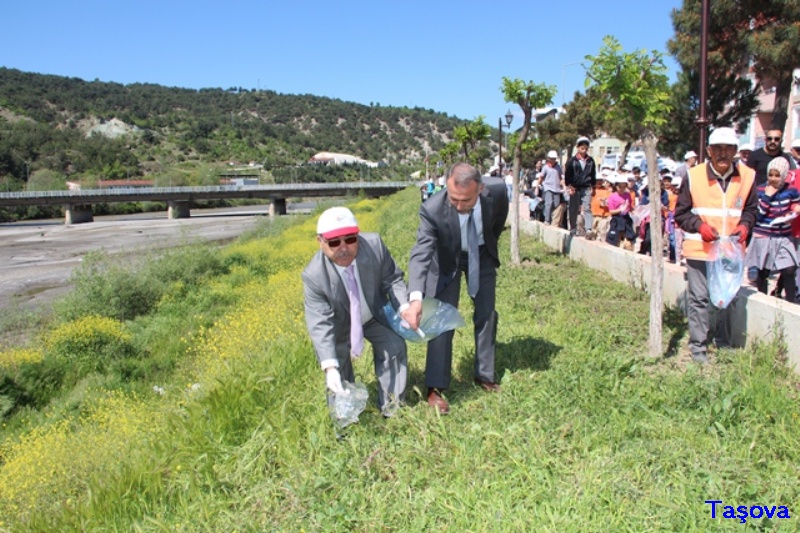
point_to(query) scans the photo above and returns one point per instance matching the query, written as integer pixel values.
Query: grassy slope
(586, 436)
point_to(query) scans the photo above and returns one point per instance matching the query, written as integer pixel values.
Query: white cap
(747, 147)
(605, 174)
(617, 178)
(796, 143)
(689, 154)
(552, 154)
(676, 181)
(335, 222)
(582, 140)
(723, 136)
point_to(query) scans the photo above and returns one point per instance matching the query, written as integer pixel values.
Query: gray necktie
(473, 261)
(356, 329)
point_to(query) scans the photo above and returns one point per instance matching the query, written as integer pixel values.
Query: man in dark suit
(458, 231)
(346, 284)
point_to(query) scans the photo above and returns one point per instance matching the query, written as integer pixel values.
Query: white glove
(334, 380)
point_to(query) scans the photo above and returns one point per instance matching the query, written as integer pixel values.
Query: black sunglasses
(774, 139)
(335, 243)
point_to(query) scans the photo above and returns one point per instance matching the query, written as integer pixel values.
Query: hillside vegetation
(196, 404)
(46, 123)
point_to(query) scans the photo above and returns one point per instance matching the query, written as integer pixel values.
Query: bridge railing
(295, 188)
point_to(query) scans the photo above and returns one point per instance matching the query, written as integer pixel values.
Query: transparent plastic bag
(346, 406)
(725, 271)
(437, 317)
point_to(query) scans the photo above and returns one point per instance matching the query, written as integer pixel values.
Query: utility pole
(702, 120)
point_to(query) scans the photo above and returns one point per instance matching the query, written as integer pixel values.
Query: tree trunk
(527, 113)
(780, 114)
(656, 245)
(623, 156)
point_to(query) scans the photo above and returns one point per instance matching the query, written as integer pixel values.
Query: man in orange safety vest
(718, 199)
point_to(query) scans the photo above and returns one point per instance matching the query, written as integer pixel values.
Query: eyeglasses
(335, 243)
(774, 139)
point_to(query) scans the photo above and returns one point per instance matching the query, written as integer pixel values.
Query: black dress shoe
(436, 401)
(488, 386)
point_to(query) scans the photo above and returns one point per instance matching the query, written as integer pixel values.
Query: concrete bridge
(78, 204)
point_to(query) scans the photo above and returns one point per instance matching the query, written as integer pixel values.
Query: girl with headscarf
(773, 248)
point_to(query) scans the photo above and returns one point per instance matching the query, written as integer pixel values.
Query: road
(38, 257)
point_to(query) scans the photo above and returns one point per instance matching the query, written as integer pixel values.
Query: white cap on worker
(746, 147)
(689, 154)
(552, 154)
(725, 136)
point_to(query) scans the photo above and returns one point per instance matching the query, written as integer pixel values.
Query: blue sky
(448, 56)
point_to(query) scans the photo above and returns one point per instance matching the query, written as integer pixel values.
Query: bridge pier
(78, 214)
(277, 207)
(178, 209)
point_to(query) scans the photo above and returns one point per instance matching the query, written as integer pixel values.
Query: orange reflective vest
(720, 209)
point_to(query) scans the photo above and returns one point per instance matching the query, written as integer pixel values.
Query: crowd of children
(619, 215)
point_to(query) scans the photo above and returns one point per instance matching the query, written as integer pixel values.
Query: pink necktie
(356, 329)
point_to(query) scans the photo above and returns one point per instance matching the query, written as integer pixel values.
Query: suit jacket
(327, 307)
(435, 256)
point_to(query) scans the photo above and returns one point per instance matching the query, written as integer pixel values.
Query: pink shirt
(616, 200)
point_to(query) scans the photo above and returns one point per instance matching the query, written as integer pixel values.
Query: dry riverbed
(37, 258)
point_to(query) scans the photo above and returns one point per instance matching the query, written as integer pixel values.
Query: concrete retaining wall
(756, 315)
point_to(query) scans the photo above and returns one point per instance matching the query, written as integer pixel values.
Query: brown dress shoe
(436, 401)
(488, 386)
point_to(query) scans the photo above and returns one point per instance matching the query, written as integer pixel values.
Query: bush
(91, 338)
(105, 288)
(27, 379)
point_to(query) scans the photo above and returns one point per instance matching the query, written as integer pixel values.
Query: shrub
(91, 338)
(103, 288)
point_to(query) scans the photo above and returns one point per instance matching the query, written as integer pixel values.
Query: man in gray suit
(351, 276)
(458, 231)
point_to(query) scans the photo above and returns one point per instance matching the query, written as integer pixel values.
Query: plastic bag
(640, 214)
(437, 317)
(725, 271)
(346, 406)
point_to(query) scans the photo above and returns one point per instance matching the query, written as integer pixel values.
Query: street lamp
(509, 118)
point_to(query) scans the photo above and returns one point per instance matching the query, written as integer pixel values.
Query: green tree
(583, 116)
(468, 135)
(47, 180)
(449, 152)
(742, 34)
(528, 96)
(637, 86)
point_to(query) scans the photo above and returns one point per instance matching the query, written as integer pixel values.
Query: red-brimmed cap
(335, 222)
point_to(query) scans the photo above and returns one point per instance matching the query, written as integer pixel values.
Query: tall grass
(587, 435)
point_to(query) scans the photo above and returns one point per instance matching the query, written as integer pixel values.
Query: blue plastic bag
(725, 271)
(437, 317)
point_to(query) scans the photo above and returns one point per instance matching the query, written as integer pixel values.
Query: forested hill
(46, 123)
